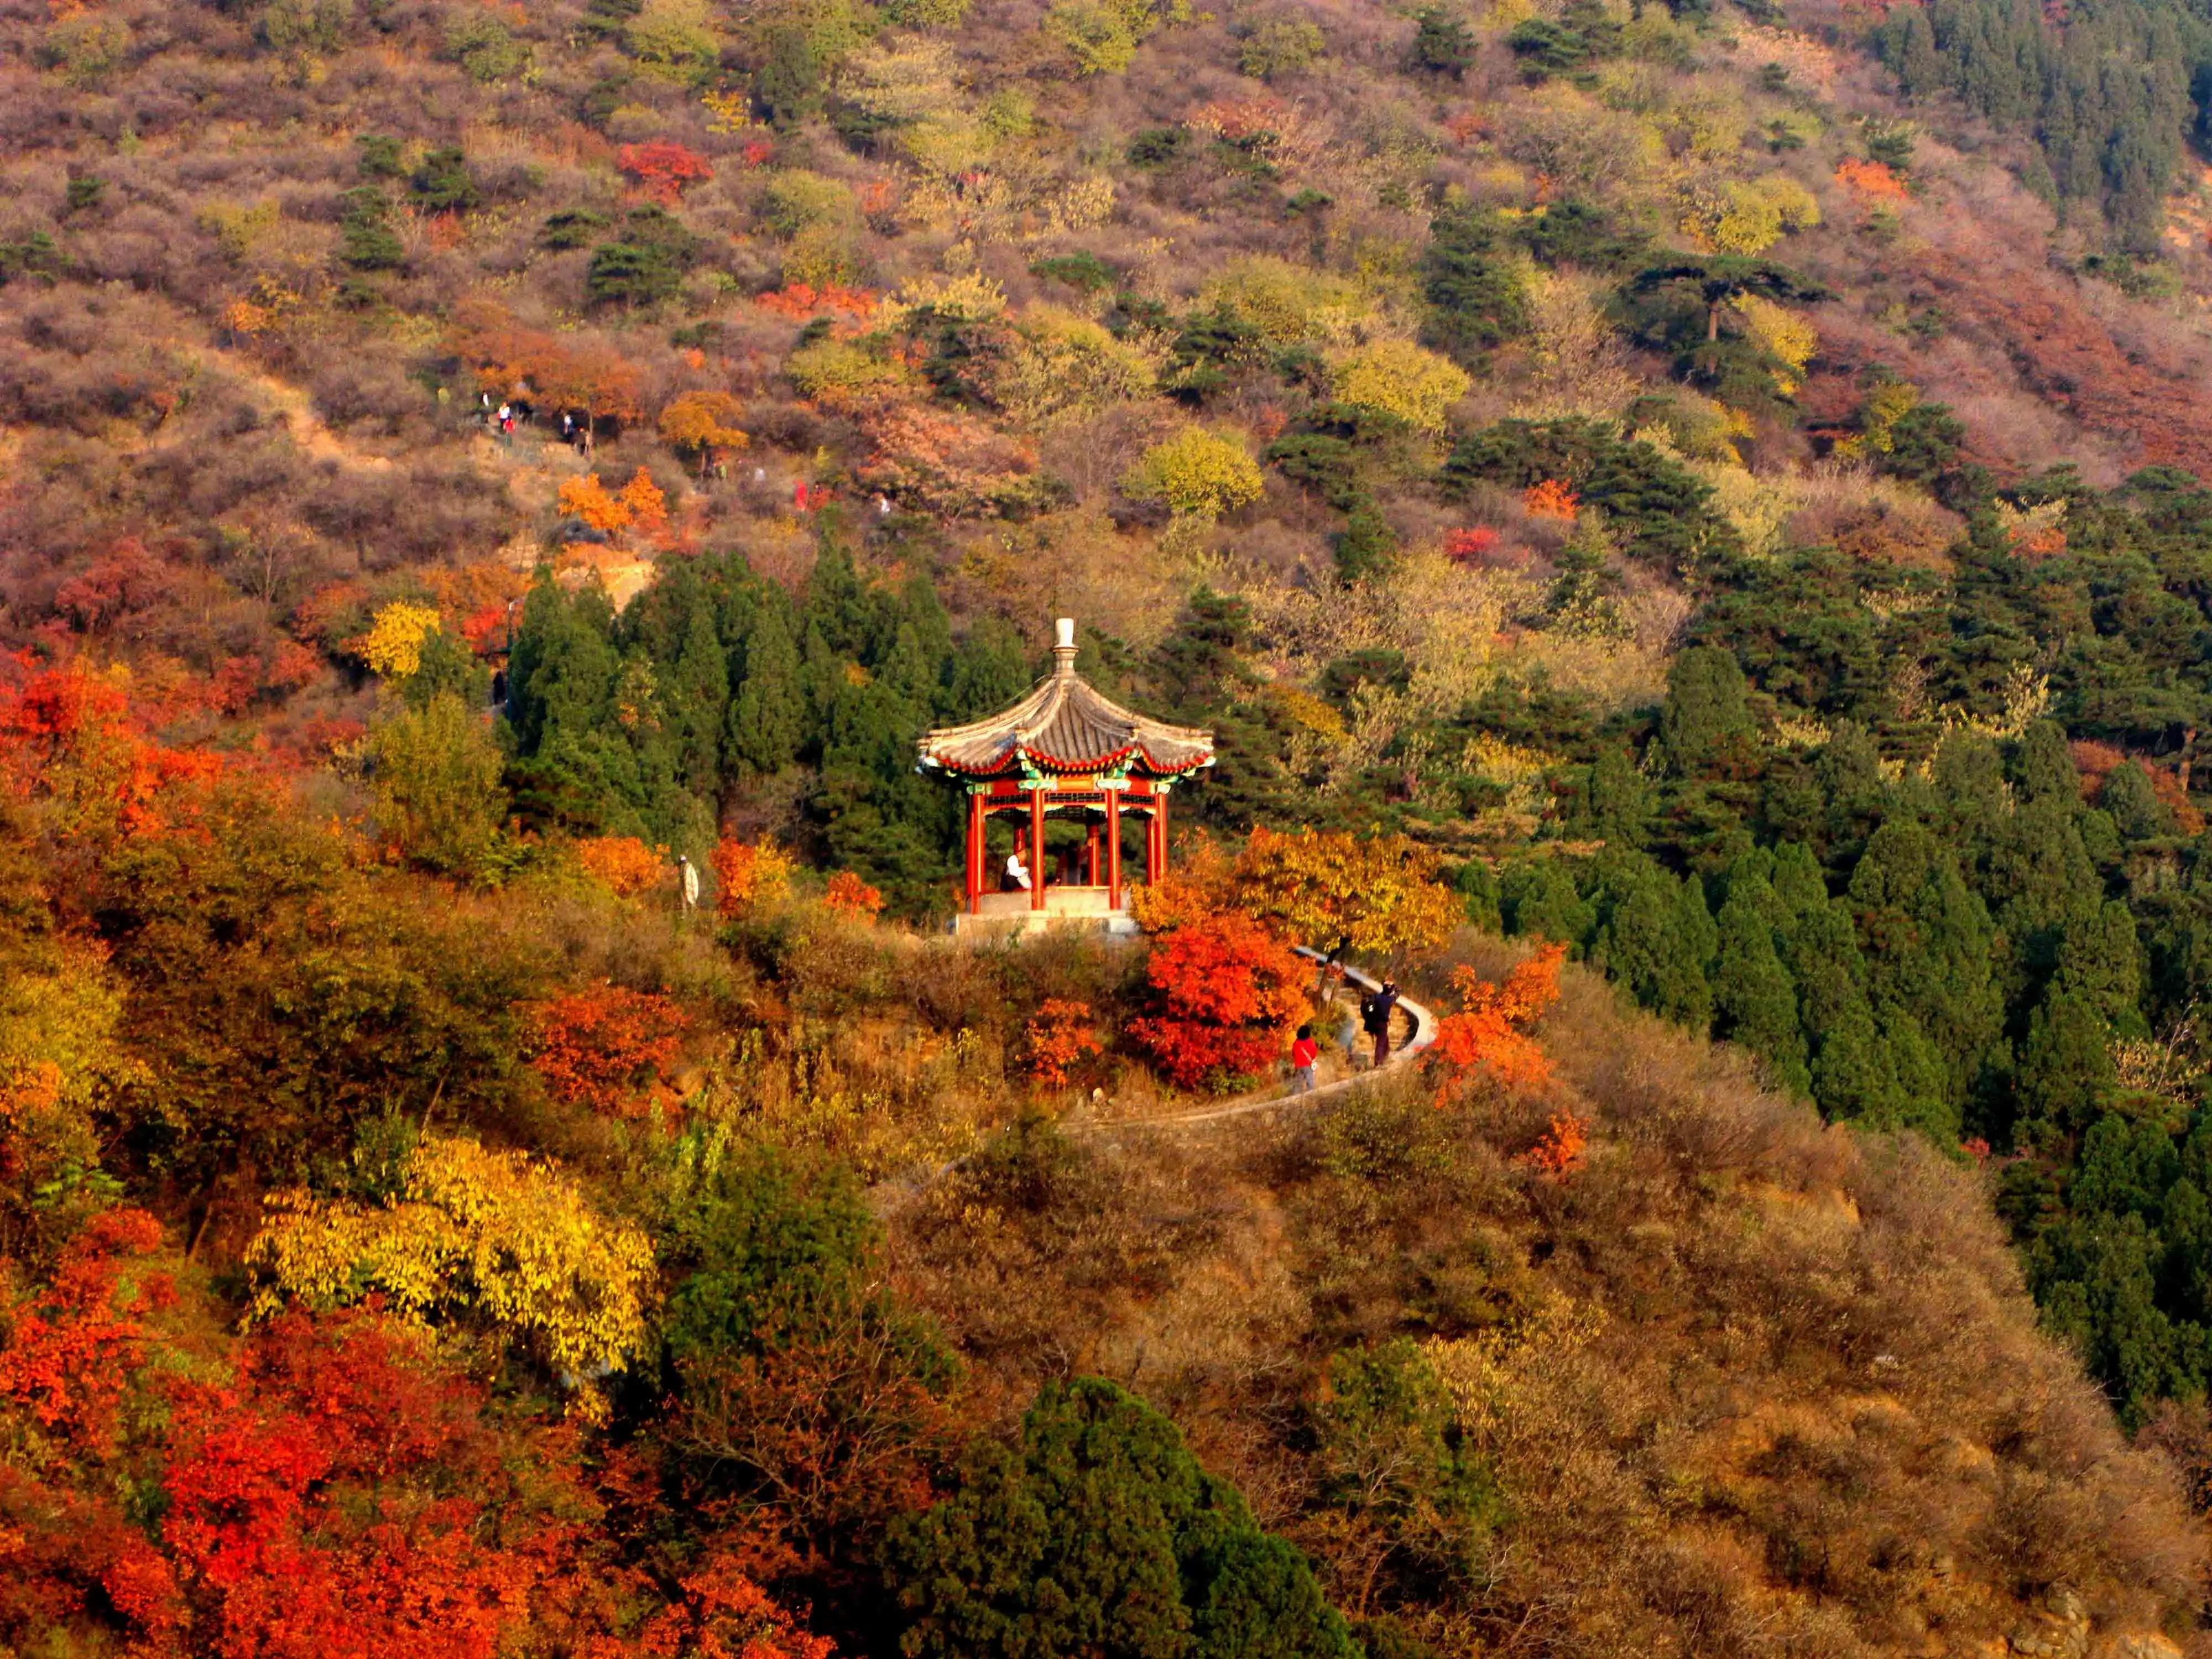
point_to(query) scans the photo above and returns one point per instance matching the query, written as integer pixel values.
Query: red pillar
(975, 854)
(1036, 849)
(1160, 829)
(1113, 849)
(1091, 858)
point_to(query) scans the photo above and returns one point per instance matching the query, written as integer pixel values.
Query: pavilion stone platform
(1082, 909)
(1069, 752)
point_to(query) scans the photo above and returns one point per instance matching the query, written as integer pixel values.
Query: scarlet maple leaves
(334, 1489)
(600, 1048)
(1225, 992)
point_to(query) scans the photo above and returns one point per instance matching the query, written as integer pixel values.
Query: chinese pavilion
(1064, 751)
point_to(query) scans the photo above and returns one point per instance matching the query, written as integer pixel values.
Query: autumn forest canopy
(1687, 523)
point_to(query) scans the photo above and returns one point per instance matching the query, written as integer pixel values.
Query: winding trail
(1276, 1097)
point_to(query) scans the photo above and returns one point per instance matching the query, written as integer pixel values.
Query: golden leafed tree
(1379, 893)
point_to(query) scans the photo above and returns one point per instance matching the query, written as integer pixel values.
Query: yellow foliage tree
(705, 422)
(1199, 474)
(471, 1231)
(587, 499)
(1403, 380)
(393, 645)
(1748, 218)
(1379, 893)
(1783, 335)
(60, 1014)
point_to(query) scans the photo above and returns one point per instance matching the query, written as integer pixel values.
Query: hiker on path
(1375, 1015)
(1304, 1053)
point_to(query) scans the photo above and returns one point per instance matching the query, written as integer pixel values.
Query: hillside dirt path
(1409, 1037)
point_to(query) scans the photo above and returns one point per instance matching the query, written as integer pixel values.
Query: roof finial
(1063, 647)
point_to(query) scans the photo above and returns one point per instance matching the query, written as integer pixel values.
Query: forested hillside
(1712, 495)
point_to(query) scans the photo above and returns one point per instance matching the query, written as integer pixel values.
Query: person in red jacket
(1304, 1053)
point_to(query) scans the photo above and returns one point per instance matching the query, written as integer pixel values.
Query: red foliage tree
(663, 167)
(601, 1049)
(72, 1346)
(1057, 1035)
(1225, 993)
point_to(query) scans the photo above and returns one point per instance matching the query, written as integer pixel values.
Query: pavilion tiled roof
(1067, 725)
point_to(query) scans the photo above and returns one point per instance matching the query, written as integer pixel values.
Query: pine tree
(1705, 724)
(1099, 1534)
(2135, 810)
(2065, 1074)
(1655, 938)
(767, 717)
(1854, 798)
(1969, 793)
(1616, 801)
(1927, 939)
(1798, 881)
(989, 672)
(1541, 902)
(2043, 766)
(694, 693)
(2101, 961)
(1754, 999)
(2039, 873)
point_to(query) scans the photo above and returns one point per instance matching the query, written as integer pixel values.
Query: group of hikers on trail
(1370, 1018)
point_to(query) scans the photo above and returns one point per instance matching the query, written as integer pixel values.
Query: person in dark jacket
(1375, 1017)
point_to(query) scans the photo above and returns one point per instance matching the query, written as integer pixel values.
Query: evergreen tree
(1656, 936)
(2043, 766)
(1754, 999)
(1969, 794)
(1705, 724)
(1926, 940)
(767, 717)
(1616, 801)
(1541, 902)
(1472, 283)
(1100, 1535)
(694, 692)
(2065, 1075)
(989, 672)
(2135, 810)
(2101, 962)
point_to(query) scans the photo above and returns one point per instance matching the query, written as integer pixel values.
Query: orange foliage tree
(804, 300)
(585, 376)
(647, 506)
(69, 738)
(1489, 1036)
(1057, 1035)
(71, 1347)
(1872, 179)
(624, 863)
(1559, 1150)
(587, 499)
(1225, 993)
(600, 1048)
(747, 873)
(1549, 498)
(848, 895)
